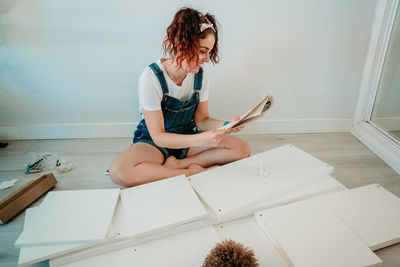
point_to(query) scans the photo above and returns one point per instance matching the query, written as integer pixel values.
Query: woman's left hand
(236, 129)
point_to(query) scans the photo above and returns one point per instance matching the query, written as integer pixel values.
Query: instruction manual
(253, 114)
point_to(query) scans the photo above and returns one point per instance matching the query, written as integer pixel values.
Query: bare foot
(195, 168)
(171, 162)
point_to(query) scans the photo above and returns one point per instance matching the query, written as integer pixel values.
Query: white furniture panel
(32, 254)
(324, 185)
(237, 187)
(70, 217)
(160, 205)
(370, 211)
(315, 238)
(121, 228)
(247, 232)
(182, 250)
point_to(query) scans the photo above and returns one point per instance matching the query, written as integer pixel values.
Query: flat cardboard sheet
(315, 238)
(181, 250)
(237, 187)
(23, 197)
(70, 217)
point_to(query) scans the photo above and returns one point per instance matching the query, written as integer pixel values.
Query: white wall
(70, 68)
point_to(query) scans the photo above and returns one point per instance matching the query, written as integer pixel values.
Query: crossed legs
(143, 163)
(230, 149)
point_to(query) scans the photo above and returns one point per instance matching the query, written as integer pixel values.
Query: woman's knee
(240, 147)
(244, 149)
(124, 168)
(123, 175)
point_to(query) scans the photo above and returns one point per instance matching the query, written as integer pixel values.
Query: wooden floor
(354, 165)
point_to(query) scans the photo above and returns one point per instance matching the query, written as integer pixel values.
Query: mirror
(386, 109)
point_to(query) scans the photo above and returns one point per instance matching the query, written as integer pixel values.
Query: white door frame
(370, 134)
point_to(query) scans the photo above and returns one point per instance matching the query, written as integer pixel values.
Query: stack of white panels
(323, 185)
(238, 187)
(150, 211)
(145, 204)
(161, 216)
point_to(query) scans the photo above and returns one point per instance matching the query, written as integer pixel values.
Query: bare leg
(230, 149)
(142, 163)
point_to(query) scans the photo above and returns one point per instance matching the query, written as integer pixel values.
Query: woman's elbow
(158, 140)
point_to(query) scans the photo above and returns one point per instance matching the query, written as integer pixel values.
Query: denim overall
(178, 115)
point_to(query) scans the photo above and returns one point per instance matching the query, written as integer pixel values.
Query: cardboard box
(23, 197)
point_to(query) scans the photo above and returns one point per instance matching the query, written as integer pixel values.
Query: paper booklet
(260, 109)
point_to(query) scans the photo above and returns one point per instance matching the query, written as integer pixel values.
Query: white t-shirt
(150, 92)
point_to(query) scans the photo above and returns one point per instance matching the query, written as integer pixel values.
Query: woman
(176, 135)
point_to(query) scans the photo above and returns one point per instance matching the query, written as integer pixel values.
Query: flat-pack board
(371, 212)
(325, 184)
(30, 255)
(33, 254)
(181, 250)
(238, 186)
(160, 205)
(315, 238)
(70, 217)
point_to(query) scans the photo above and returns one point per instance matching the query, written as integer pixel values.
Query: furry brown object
(229, 253)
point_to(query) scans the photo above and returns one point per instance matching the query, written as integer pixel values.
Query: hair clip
(205, 26)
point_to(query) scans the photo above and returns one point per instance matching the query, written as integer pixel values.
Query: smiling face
(205, 48)
(192, 40)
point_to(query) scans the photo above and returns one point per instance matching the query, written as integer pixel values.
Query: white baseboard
(112, 130)
(382, 145)
(67, 131)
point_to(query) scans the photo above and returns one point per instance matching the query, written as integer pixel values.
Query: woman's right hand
(211, 137)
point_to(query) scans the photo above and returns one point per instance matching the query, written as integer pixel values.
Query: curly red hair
(183, 35)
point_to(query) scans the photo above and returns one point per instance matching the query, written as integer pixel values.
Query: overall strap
(161, 78)
(198, 79)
